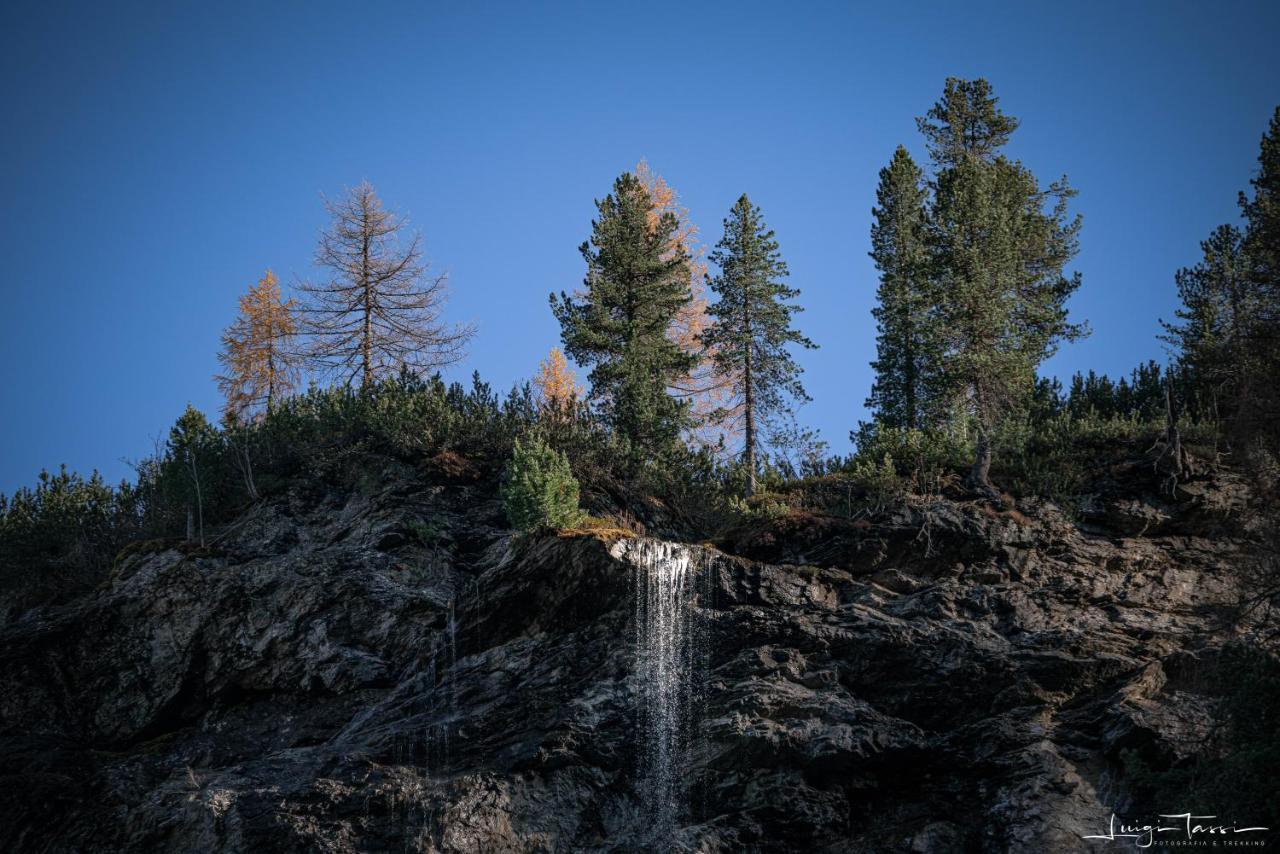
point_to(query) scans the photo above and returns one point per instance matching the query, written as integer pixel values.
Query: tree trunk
(366, 345)
(1173, 439)
(195, 478)
(240, 444)
(912, 374)
(366, 342)
(979, 479)
(748, 401)
(750, 441)
(271, 373)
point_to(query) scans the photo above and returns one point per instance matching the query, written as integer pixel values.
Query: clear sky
(156, 159)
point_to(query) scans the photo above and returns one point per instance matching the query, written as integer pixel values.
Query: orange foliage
(257, 354)
(710, 396)
(555, 384)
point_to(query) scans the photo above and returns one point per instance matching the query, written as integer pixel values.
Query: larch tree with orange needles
(555, 384)
(258, 355)
(713, 413)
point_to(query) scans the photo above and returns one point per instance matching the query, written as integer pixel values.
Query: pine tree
(259, 351)
(1259, 406)
(966, 124)
(999, 244)
(380, 313)
(1147, 383)
(710, 410)
(1210, 336)
(539, 489)
(907, 347)
(751, 325)
(190, 468)
(635, 286)
(1262, 213)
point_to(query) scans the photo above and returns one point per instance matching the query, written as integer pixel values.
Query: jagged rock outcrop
(391, 670)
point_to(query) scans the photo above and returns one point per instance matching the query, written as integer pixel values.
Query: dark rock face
(392, 672)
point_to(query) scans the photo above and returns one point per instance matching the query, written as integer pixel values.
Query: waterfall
(666, 658)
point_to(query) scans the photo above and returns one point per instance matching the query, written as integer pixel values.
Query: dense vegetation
(692, 392)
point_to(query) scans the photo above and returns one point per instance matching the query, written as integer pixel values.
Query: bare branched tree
(381, 309)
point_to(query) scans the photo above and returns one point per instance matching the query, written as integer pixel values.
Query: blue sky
(156, 159)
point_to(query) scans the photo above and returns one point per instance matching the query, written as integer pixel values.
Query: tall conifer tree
(637, 282)
(907, 351)
(1262, 213)
(751, 325)
(710, 417)
(1259, 399)
(1210, 335)
(1000, 243)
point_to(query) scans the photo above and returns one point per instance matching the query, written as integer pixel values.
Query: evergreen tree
(999, 244)
(1262, 213)
(1226, 335)
(1210, 336)
(190, 468)
(1046, 400)
(1141, 393)
(539, 489)
(751, 325)
(637, 282)
(1259, 398)
(1147, 384)
(966, 124)
(710, 412)
(907, 356)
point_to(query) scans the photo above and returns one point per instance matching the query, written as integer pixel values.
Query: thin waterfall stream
(667, 659)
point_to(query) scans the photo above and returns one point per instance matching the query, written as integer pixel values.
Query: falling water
(451, 686)
(665, 659)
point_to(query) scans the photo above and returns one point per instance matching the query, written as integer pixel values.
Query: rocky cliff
(390, 670)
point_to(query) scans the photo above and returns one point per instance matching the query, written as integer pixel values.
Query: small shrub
(923, 457)
(426, 532)
(539, 489)
(1056, 458)
(761, 506)
(882, 483)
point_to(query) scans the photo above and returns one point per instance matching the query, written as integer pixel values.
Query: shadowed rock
(941, 678)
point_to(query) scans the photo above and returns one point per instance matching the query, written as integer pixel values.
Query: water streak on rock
(665, 658)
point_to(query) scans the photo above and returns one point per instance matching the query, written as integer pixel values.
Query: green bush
(1057, 457)
(427, 532)
(60, 537)
(882, 483)
(762, 505)
(922, 457)
(539, 489)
